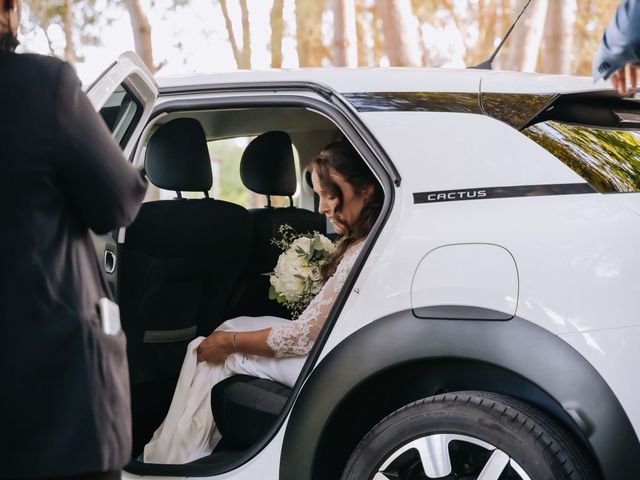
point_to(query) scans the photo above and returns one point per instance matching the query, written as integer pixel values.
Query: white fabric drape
(188, 431)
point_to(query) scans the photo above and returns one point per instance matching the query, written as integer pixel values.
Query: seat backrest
(181, 258)
(267, 167)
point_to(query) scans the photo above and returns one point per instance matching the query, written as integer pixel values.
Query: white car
(490, 327)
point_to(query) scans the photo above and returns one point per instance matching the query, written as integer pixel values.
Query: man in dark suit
(64, 391)
(618, 56)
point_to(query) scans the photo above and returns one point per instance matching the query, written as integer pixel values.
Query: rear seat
(178, 265)
(245, 407)
(267, 167)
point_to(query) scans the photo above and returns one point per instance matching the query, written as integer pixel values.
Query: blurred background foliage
(554, 36)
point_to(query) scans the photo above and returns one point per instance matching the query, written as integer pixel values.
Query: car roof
(394, 79)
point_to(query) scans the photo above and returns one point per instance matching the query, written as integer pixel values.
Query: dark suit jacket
(621, 41)
(64, 392)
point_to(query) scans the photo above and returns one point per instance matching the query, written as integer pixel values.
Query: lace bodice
(298, 336)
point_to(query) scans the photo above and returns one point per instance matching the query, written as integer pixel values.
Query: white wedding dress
(188, 431)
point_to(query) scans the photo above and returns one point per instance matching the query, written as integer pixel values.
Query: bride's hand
(216, 347)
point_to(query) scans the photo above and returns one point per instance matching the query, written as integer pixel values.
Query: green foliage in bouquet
(297, 276)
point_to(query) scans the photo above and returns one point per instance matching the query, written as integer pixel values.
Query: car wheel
(468, 435)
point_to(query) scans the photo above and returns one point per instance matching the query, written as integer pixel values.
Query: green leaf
(299, 277)
(273, 295)
(317, 243)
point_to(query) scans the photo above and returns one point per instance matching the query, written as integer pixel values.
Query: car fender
(400, 358)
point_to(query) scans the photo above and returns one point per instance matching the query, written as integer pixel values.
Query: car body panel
(397, 79)
(450, 355)
(608, 350)
(432, 153)
(564, 261)
(475, 275)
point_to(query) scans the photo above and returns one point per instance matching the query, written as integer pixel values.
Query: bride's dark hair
(340, 157)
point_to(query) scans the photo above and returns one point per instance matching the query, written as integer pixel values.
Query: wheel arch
(401, 358)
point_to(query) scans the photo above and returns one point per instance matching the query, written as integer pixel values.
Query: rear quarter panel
(576, 255)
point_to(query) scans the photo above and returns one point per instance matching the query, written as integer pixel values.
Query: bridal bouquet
(297, 278)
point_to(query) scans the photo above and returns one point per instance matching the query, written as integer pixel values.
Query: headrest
(177, 157)
(267, 165)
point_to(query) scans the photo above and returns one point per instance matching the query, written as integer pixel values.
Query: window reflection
(414, 102)
(515, 109)
(609, 160)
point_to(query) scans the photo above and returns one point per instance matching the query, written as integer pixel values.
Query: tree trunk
(558, 37)
(506, 17)
(400, 28)
(378, 38)
(242, 57)
(363, 33)
(345, 43)
(527, 36)
(311, 50)
(67, 22)
(246, 37)
(141, 29)
(487, 23)
(277, 31)
(591, 19)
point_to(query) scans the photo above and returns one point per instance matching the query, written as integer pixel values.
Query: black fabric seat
(267, 167)
(178, 265)
(244, 408)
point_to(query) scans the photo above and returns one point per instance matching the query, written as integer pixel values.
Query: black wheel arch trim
(544, 369)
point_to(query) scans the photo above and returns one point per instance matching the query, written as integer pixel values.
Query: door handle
(109, 261)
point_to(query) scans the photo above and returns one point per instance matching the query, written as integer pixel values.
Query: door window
(121, 113)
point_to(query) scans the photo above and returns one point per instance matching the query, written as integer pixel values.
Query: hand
(216, 347)
(619, 78)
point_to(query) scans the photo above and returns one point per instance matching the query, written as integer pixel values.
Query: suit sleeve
(103, 188)
(620, 43)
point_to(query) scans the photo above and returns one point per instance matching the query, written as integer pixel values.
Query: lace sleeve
(297, 337)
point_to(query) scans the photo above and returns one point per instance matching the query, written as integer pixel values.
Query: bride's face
(348, 210)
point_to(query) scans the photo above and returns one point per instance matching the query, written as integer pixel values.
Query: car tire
(458, 435)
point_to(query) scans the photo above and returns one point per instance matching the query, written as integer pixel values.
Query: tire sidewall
(494, 426)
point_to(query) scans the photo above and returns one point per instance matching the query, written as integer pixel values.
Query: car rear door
(124, 95)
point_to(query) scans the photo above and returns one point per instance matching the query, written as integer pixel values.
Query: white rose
(303, 243)
(276, 282)
(327, 244)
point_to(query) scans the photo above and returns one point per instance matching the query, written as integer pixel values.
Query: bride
(270, 347)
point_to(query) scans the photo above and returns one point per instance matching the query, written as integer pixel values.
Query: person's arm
(289, 339)
(217, 346)
(103, 189)
(285, 340)
(619, 52)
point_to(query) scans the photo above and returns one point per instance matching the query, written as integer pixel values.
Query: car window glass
(609, 160)
(226, 155)
(225, 158)
(121, 113)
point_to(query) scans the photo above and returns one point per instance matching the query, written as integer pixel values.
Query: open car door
(124, 95)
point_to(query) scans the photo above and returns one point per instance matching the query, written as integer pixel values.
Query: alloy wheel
(449, 457)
